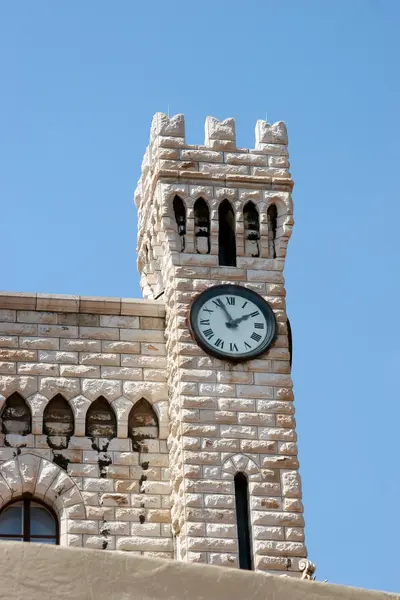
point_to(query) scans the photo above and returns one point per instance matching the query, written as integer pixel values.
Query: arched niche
(251, 230)
(101, 420)
(202, 226)
(16, 417)
(142, 425)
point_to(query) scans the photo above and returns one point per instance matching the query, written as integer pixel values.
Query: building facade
(136, 425)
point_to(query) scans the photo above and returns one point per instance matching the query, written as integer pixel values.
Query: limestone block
(12, 476)
(271, 134)
(8, 368)
(213, 544)
(93, 388)
(26, 386)
(217, 416)
(236, 404)
(279, 519)
(51, 386)
(279, 462)
(17, 329)
(295, 534)
(272, 563)
(276, 433)
(250, 418)
(275, 406)
(98, 333)
(121, 373)
(121, 347)
(144, 544)
(55, 356)
(83, 526)
(258, 446)
(287, 448)
(151, 390)
(128, 322)
(91, 484)
(47, 473)
(222, 559)
(18, 355)
(219, 130)
(292, 505)
(33, 316)
(291, 484)
(8, 315)
(261, 532)
(80, 345)
(8, 341)
(38, 369)
(167, 126)
(219, 500)
(79, 405)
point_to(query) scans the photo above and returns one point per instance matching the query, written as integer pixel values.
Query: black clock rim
(207, 294)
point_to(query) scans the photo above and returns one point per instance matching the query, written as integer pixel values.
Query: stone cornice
(82, 304)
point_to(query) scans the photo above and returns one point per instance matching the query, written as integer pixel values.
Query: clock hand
(222, 305)
(235, 322)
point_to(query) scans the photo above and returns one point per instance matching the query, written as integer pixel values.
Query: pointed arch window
(226, 235)
(142, 425)
(16, 416)
(100, 420)
(242, 520)
(28, 520)
(202, 226)
(180, 217)
(58, 418)
(251, 230)
(272, 219)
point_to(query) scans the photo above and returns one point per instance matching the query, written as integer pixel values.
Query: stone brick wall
(106, 494)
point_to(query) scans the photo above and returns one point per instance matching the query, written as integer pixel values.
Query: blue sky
(80, 83)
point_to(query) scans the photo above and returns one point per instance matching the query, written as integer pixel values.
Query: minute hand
(222, 305)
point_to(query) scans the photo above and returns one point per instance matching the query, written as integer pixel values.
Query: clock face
(232, 322)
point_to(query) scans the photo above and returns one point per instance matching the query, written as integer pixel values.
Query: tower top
(168, 154)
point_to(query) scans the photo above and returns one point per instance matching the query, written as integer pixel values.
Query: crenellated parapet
(214, 172)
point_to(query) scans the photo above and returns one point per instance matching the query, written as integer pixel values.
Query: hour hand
(235, 322)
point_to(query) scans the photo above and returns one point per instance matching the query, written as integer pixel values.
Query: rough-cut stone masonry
(186, 423)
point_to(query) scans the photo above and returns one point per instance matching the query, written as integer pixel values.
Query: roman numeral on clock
(208, 310)
(218, 302)
(246, 345)
(258, 325)
(244, 304)
(233, 347)
(230, 300)
(255, 337)
(219, 343)
(204, 321)
(208, 333)
(255, 313)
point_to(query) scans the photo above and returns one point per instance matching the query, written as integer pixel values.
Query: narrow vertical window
(290, 341)
(251, 230)
(272, 217)
(226, 236)
(180, 216)
(202, 226)
(242, 519)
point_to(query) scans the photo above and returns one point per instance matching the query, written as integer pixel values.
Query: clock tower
(214, 222)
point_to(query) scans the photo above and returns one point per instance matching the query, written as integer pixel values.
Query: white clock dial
(232, 322)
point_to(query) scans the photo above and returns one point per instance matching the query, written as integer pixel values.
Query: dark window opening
(272, 218)
(202, 226)
(242, 519)
(16, 416)
(180, 216)
(58, 418)
(226, 235)
(251, 230)
(290, 341)
(142, 425)
(100, 420)
(29, 521)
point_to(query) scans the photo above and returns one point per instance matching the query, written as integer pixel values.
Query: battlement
(168, 155)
